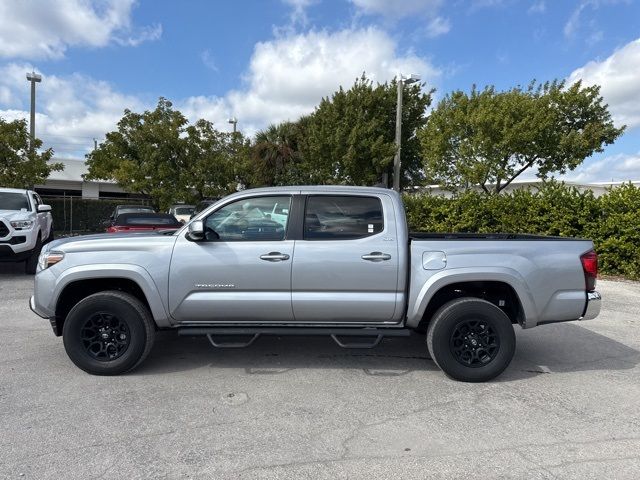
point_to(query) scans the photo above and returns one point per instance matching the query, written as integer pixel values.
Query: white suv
(25, 225)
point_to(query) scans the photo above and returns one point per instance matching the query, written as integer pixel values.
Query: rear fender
(446, 277)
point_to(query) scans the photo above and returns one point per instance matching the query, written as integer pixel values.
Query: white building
(598, 188)
(69, 182)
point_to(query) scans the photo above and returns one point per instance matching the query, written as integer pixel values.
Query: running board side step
(374, 335)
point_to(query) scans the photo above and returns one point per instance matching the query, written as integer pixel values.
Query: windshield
(141, 219)
(184, 210)
(134, 210)
(14, 201)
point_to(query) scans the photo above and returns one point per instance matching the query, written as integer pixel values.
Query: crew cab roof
(313, 189)
(14, 190)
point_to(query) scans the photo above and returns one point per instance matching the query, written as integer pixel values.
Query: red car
(144, 222)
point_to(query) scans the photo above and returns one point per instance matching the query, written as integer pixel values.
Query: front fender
(446, 277)
(135, 273)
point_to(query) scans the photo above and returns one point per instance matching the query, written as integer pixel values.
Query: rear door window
(342, 217)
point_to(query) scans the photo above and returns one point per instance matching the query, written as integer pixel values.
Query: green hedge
(612, 221)
(87, 215)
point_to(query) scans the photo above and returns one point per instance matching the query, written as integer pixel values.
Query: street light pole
(34, 78)
(396, 158)
(234, 120)
(402, 81)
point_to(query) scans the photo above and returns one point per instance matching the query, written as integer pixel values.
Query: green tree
(157, 153)
(20, 166)
(489, 138)
(349, 138)
(214, 161)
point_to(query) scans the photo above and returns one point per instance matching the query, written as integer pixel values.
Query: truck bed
(485, 236)
(545, 272)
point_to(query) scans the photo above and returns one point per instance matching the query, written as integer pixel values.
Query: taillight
(590, 267)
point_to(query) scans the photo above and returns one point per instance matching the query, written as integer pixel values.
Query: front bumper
(52, 320)
(594, 303)
(32, 306)
(17, 245)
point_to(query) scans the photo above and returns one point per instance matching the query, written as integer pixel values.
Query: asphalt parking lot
(567, 407)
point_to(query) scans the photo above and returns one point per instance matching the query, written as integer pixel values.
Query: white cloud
(71, 110)
(299, 10)
(140, 35)
(397, 10)
(288, 76)
(619, 77)
(208, 60)
(30, 29)
(438, 26)
(577, 23)
(617, 168)
(537, 7)
(573, 23)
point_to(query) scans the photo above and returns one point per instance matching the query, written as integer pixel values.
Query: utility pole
(34, 78)
(402, 81)
(95, 144)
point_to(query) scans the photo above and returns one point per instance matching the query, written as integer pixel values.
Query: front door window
(250, 219)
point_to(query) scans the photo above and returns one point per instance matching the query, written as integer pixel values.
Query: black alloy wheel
(474, 343)
(108, 333)
(105, 336)
(471, 339)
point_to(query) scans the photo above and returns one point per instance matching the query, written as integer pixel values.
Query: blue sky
(267, 61)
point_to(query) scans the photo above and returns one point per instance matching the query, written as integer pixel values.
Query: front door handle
(376, 256)
(274, 257)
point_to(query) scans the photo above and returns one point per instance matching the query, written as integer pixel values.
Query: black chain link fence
(76, 215)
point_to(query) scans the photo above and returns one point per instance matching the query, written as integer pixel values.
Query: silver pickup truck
(335, 261)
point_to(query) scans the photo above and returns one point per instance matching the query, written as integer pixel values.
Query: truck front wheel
(108, 333)
(471, 340)
(31, 264)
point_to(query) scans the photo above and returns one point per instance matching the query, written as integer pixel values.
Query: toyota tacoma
(331, 260)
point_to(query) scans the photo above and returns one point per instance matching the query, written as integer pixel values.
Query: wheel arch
(493, 286)
(76, 285)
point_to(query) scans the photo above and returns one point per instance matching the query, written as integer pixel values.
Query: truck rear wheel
(471, 340)
(108, 333)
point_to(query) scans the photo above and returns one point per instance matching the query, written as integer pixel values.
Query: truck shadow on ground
(546, 350)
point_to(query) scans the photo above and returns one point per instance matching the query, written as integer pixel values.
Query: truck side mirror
(44, 208)
(195, 231)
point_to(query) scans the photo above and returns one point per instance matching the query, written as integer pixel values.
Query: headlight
(20, 224)
(47, 259)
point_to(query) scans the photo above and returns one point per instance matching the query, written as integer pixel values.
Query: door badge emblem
(215, 285)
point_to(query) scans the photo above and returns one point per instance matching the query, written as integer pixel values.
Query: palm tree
(275, 153)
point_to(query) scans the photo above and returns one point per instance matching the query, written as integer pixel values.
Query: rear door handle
(274, 257)
(376, 256)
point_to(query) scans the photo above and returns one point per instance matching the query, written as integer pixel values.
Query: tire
(116, 313)
(31, 263)
(471, 340)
